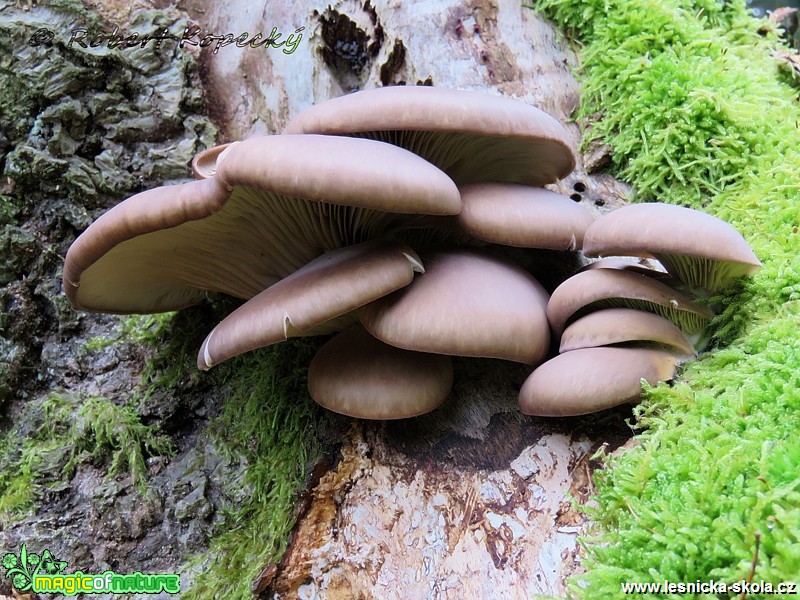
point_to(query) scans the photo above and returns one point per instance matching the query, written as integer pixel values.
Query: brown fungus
(309, 301)
(264, 214)
(471, 136)
(611, 288)
(356, 375)
(467, 303)
(592, 379)
(522, 216)
(625, 326)
(697, 248)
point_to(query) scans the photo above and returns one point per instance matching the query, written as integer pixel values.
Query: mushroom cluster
(381, 215)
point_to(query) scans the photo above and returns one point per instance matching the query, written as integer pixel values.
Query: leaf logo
(23, 568)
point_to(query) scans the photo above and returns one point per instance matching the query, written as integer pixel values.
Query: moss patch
(74, 431)
(691, 100)
(269, 420)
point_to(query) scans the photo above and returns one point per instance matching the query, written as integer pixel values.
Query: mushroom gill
(263, 215)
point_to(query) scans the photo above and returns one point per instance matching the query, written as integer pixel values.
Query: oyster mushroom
(611, 288)
(522, 216)
(471, 136)
(308, 301)
(697, 248)
(204, 164)
(263, 215)
(624, 326)
(467, 303)
(592, 379)
(356, 375)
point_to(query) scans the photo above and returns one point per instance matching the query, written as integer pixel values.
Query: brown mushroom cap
(624, 325)
(592, 379)
(274, 204)
(333, 285)
(522, 216)
(467, 303)
(356, 375)
(611, 288)
(472, 136)
(697, 248)
(204, 164)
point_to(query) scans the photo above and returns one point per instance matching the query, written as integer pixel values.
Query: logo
(44, 574)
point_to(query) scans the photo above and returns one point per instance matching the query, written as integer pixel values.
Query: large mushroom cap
(471, 136)
(611, 288)
(699, 249)
(328, 287)
(356, 375)
(522, 216)
(624, 325)
(274, 204)
(466, 304)
(592, 379)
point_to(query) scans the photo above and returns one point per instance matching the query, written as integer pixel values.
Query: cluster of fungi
(382, 215)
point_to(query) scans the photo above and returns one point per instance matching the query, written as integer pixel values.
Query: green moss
(691, 100)
(268, 420)
(74, 431)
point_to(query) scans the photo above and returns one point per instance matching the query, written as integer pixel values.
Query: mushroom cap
(472, 136)
(328, 287)
(204, 164)
(274, 204)
(611, 288)
(467, 303)
(699, 249)
(522, 216)
(356, 375)
(592, 379)
(624, 325)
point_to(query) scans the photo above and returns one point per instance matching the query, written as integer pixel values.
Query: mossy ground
(697, 112)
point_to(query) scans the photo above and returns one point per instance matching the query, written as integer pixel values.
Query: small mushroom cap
(466, 304)
(472, 136)
(204, 164)
(274, 204)
(624, 325)
(611, 288)
(522, 216)
(356, 375)
(592, 379)
(333, 285)
(699, 249)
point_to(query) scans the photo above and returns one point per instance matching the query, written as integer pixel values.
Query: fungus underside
(696, 112)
